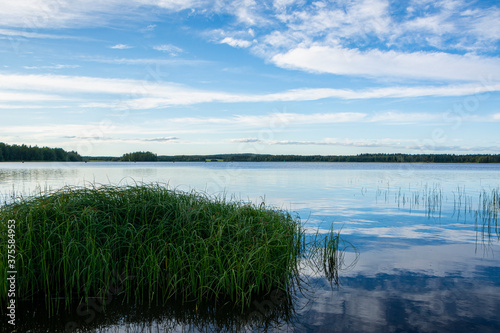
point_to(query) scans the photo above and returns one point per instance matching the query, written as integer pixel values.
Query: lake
(421, 244)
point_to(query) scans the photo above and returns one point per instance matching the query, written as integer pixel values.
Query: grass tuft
(164, 244)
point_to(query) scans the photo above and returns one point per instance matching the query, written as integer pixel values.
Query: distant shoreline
(361, 158)
(24, 153)
(200, 162)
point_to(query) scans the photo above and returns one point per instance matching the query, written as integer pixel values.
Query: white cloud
(432, 148)
(364, 143)
(283, 119)
(28, 106)
(169, 48)
(24, 97)
(319, 37)
(139, 94)
(147, 61)
(345, 142)
(276, 120)
(396, 143)
(40, 14)
(93, 131)
(444, 24)
(282, 4)
(405, 118)
(486, 24)
(337, 20)
(121, 47)
(245, 140)
(236, 42)
(246, 12)
(59, 66)
(68, 84)
(172, 5)
(28, 34)
(375, 63)
(162, 139)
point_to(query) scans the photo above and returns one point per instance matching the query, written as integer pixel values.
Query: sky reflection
(428, 254)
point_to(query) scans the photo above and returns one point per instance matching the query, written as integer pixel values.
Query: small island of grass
(164, 244)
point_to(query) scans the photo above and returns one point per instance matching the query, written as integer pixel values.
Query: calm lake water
(422, 247)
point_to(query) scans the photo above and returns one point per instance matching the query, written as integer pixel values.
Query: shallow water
(424, 253)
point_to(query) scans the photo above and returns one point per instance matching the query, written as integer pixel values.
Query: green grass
(165, 244)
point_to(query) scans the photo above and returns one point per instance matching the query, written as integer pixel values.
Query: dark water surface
(421, 241)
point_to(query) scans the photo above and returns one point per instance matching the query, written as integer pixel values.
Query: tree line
(28, 153)
(380, 158)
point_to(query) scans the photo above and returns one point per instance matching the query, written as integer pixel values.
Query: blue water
(421, 253)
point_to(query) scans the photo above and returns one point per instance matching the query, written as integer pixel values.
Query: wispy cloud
(30, 34)
(284, 119)
(245, 140)
(83, 136)
(392, 143)
(121, 47)
(405, 117)
(40, 14)
(187, 96)
(246, 12)
(17, 106)
(59, 66)
(146, 61)
(139, 94)
(25, 97)
(91, 131)
(168, 48)
(150, 27)
(423, 148)
(300, 118)
(162, 139)
(364, 143)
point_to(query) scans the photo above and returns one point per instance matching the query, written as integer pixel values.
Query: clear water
(424, 253)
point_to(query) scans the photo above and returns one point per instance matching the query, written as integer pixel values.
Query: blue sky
(280, 77)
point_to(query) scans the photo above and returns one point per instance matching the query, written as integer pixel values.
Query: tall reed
(487, 214)
(326, 255)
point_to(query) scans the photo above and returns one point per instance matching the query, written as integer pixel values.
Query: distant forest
(386, 158)
(27, 153)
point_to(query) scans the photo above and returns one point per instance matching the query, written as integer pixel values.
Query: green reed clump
(164, 244)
